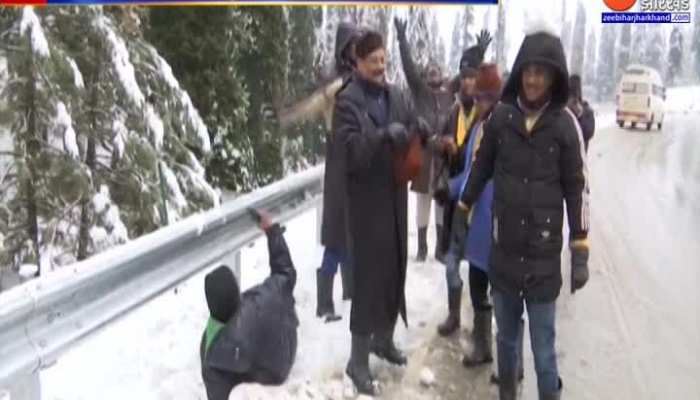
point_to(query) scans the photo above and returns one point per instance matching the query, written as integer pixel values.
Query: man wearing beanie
(375, 125)
(432, 100)
(250, 337)
(533, 150)
(455, 136)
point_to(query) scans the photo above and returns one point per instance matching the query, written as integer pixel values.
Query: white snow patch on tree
(536, 22)
(201, 185)
(191, 112)
(64, 121)
(155, 127)
(77, 76)
(101, 200)
(30, 22)
(195, 165)
(173, 187)
(120, 134)
(121, 62)
(28, 270)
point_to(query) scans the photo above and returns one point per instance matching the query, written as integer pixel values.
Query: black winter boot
(521, 368)
(454, 301)
(439, 254)
(482, 338)
(346, 278)
(358, 366)
(422, 244)
(324, 297)
(383, 347)
(552, 396)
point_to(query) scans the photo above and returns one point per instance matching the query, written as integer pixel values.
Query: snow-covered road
(632, 333)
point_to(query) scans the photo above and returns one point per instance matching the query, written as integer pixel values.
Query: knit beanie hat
(222, 292)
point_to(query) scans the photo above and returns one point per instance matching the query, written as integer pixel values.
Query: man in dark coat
(455, 135)
(432, 101)
(533, 149)
(333, 225)
(581, 109)
(371, 120)
(250, 337)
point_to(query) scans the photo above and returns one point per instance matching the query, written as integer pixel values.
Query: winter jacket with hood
(533, 174)
(334, 226)
(258, 344)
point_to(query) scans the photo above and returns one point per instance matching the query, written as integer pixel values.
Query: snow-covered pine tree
(655, 54)
(42, 208)
(97, 118)
(264, 66)
(605, 75)
(579, 38)
(625, 50)
(501, 43)
(589, 70)
(305, 140)
(675, 56)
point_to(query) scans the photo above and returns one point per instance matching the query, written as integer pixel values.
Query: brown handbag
(408, 163)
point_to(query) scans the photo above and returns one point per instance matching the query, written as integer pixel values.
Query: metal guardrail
(45, 317)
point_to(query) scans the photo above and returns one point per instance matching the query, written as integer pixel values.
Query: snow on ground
(631, 333)
(153, 352)
(683, 99)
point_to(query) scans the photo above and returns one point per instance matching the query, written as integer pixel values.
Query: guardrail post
(233, 261)
(25, 387)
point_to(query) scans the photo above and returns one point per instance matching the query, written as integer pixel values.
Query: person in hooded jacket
(333, 224)
(250, 337)
(533, 149)
(432, 100)
(455, 135)
(581, 109)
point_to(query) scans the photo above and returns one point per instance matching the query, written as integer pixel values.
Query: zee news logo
(650, 5)
(650, 11)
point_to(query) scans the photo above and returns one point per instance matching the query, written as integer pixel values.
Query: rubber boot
(358, 366)
(552, 396)
(454, 302)
(482, 337)
(383, 347)
(324, 297)
(439, 254)
(521, 368)
(346, 278)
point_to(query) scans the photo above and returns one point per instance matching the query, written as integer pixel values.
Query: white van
(640, 97)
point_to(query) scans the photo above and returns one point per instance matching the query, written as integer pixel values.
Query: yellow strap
(463, 124)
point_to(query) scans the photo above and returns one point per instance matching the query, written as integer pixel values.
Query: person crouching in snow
(250, 337)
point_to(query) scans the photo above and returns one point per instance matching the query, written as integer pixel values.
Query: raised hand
(400, 27)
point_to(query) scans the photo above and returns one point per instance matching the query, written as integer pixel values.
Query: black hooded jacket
(533, 173)
(258, 344)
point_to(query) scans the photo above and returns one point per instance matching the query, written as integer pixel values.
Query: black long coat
(533, 175)
(377, 209)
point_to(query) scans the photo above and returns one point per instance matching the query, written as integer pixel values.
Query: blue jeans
(452, 260)
(541, 316)
(331, 259)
